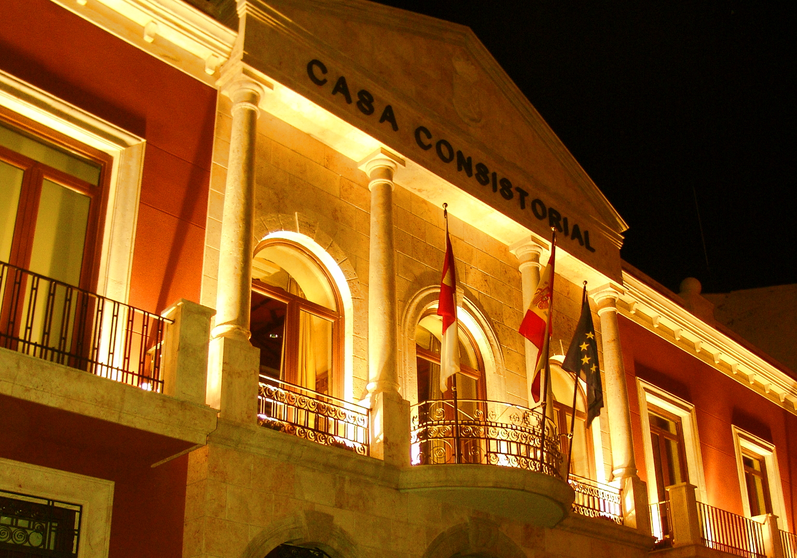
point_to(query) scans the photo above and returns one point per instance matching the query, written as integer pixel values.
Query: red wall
(719, 402)
(62, 54)
(59, 52)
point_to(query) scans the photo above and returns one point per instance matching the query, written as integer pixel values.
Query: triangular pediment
(430, 91)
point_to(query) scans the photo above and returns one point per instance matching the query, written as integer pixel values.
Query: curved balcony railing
(53, 321)
(595, 499)
(484, 432)
(313, 416)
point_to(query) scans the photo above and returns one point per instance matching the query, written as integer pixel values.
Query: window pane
(673, 462)
(268, 333)
(10, 186)
(296, 273)
(60, 233)
(55, 158)
(315, 352)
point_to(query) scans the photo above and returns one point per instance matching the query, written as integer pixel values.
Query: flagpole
(575, 394)
(547, 346)
(457, 450)
(456, 419)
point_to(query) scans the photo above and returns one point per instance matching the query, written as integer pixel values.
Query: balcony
(471, 431)
(313, 416)
(53, 321)
(682, 525)
(68, 355)
(507, 456)
(595, 499)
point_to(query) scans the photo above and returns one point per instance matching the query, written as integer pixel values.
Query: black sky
(680, 112)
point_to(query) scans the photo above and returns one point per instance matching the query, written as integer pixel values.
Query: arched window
(581, 462)
(296, 318)
(470, 381)
(291, 551)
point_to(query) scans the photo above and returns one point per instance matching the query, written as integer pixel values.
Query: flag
(447, 309)
(536, 325)
(582, 358)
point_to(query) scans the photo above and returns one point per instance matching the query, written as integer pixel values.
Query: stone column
(234, 363)
(635, 502)
(390, 425)
(233, 296)
(382, 343)
(528, 252)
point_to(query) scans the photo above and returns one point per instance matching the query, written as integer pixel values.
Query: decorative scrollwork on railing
(312, 416)
(31, 525)
(486, 432)
(594, 499)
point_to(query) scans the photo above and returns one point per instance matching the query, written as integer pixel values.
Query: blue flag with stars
(582, 358)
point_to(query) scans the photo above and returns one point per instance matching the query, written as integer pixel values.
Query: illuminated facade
(222, 241)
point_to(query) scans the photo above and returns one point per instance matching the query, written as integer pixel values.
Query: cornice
(171, 30)
(650, 309)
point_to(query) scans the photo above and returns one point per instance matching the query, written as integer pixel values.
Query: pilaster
(185, 354)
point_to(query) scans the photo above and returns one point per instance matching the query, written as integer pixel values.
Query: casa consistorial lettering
(426, 140)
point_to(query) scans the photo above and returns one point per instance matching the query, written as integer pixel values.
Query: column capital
(528, 251)
(242, 85)
(381, 166)
(606, 297)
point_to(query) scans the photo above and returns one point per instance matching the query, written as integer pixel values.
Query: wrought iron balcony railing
(595, 499)
(53, 321)
(789, 543)
(313, 416)
(484, 432)
(728, 532)
(32, 526)
(661, 523)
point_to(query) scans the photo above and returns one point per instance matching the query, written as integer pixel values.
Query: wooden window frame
(430, 356)
(663, 436)
(36, 172)
(295, 305)
(747, 444)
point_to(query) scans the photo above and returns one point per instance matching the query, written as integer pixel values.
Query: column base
(233, 377)
(390, 428)
(636, 513)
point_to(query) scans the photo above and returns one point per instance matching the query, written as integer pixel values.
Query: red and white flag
(536, 325)
(447, 309)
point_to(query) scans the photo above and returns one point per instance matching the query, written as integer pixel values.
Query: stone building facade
(256, 302)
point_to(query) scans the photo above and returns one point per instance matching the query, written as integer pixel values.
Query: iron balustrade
(661, 523)
(729, 532)
(31, 526)
(595, 499)
(789, 543)
(57, 322)
(313, 416)
(484, 432)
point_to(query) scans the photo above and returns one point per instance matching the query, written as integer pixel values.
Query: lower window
(32, 526)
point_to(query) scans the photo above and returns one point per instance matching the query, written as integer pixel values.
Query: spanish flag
(447, 309)
(536, 325)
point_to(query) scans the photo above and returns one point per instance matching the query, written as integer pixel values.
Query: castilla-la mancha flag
(536, 325)
(447, 309)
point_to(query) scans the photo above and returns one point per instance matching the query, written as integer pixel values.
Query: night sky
(679, 111)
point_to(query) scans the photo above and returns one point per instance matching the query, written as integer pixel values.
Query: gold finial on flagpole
(445, 211)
